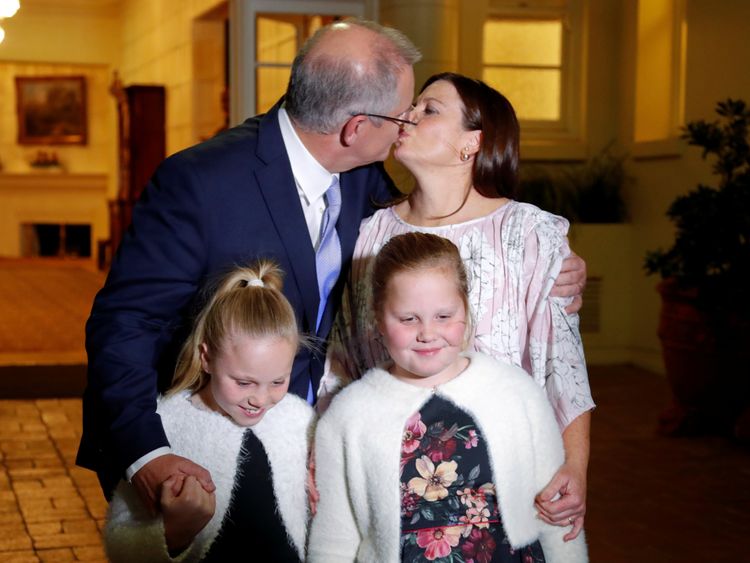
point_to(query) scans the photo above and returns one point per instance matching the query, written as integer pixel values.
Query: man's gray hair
(325, 91)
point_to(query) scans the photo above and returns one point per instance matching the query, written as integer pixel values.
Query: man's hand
(149, 479)
(186, 508)
(571, 282)
(568, 489)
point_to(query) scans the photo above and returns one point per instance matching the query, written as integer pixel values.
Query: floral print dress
(449, 510)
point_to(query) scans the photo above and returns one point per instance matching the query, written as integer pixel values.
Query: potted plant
(589, 192)
(705, 318)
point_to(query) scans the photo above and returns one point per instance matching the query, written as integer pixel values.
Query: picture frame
(51, 110)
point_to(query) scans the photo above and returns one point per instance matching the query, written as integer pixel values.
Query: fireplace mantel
(51, 196)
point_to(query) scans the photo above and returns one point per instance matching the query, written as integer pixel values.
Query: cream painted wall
(49, 40)
(157, 48)
(718, 55)
(433, 27)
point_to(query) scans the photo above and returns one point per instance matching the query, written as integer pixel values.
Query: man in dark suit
(253, 191)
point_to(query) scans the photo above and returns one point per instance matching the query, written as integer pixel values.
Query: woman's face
(439, 136)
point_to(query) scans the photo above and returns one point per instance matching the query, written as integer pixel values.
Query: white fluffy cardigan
(214, 441)
(358, 448)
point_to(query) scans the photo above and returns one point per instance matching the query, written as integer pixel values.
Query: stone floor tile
(53, 514)
(26, 556)
(8, 504)
(58, 482)
(15, 542)
(68, 502)
(91, 553)
(11, 464)
(53, 418)
(53, 555)
(97, 508)
(33, 427)
(84, 526)
(11, 518)
(67, 540)
(45, 528)
(12, 530)
(37, 472)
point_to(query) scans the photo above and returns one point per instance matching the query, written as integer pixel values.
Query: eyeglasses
(395, 120)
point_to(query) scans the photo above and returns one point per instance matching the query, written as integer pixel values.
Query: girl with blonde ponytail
(228, 410)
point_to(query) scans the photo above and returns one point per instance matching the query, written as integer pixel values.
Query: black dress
(449, 510)
(252, 529)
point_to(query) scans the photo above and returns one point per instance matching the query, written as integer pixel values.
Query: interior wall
(717, 57)
(157, 48)
(70, 42)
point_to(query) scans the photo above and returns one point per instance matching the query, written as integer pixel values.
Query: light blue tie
(328, 256)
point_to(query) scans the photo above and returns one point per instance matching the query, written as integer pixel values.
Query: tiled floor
(50, 510)
(651, 499)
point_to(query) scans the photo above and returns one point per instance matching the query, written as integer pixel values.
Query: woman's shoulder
(549, 231)
(534, 216)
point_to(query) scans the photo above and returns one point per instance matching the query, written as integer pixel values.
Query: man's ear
(352, 129)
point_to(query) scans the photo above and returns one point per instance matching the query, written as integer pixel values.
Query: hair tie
(256, 282)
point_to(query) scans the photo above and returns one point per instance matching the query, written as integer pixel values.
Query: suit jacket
(224, 202)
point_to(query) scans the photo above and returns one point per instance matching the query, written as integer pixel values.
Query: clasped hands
(184, 494)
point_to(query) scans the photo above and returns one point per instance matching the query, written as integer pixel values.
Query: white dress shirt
(311, 178)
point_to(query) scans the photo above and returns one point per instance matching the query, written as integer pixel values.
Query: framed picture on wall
(51, 110)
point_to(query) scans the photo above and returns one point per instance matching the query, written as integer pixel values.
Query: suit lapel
(279, 191)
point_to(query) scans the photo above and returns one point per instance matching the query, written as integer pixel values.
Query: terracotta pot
(707, 363)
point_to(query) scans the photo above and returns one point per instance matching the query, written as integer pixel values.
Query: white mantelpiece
(51, 197)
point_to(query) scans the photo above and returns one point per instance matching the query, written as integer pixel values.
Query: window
(523, 58)
(278, 37)
(265, 36)
(659, 82)
(533, 52)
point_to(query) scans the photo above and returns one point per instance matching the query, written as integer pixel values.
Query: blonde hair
(248, 301)
(413, 252)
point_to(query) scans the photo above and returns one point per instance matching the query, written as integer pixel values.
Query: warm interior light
(8, 8)
(2, 34)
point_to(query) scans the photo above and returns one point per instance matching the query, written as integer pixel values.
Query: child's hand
(312, 491)
(186, 508)
(149, 479)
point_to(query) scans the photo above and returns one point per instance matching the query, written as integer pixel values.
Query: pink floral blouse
(512, 256)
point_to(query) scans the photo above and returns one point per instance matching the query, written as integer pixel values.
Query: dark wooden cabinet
(141, 115)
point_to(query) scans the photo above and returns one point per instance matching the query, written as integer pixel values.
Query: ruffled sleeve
(554, 351)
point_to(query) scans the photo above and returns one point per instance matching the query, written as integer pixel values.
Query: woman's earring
(465, 155)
